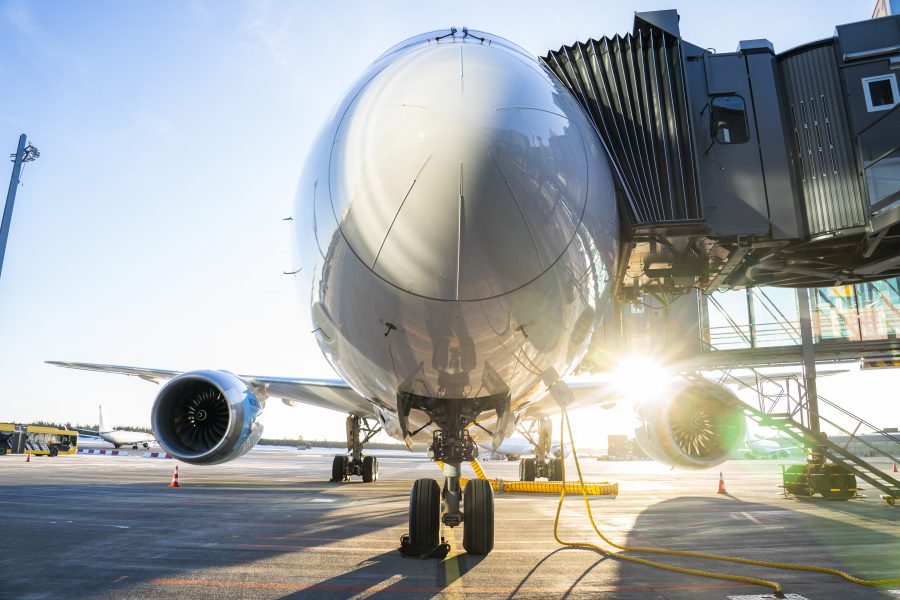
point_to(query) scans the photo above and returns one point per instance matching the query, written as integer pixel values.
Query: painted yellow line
(453, 590)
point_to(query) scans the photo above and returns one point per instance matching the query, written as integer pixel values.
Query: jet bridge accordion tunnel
(750, 167)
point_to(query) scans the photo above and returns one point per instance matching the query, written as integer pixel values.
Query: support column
(751, 317)
(809, 362)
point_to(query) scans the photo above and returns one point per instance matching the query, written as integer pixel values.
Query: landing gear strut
(359, 431)
(472, 507)
(543, 464)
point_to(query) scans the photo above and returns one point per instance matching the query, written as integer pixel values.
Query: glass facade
(767, 317)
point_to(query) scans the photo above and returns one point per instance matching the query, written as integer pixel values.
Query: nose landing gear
(472, 507)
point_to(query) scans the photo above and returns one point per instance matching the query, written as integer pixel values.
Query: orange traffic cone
(175, 478)
(28, 457)
(721, 489)
(895, 468)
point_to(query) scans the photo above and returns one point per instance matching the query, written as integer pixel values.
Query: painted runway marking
(451, 566)
(751, 518)
(378, 587)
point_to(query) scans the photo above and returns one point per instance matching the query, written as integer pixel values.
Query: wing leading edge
(333, 394)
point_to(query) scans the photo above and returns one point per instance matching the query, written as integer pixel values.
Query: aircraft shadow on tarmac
(777, 532)
(172, 538)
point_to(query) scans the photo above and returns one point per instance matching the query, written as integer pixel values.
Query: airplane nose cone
(460, 169)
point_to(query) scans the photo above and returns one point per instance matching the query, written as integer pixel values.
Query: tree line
(264, 441)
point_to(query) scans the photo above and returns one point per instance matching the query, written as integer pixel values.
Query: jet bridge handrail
(794, 333)
(766, 334)
(860, 420)
(853, 436)
(728, 318)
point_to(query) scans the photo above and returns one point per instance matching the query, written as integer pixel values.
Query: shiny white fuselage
(456, 226)
(127, 438)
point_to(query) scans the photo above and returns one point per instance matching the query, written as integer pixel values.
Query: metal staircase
(787, 412)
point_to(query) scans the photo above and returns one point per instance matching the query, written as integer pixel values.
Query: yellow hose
(772, 584)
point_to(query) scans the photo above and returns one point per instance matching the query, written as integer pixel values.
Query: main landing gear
(544, 464)
(472, 507)
(356, 464)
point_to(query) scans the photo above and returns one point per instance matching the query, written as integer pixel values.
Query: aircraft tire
(478, 525)
(796, 480)
(526, 469)
(370, 469)
(838, 483)
(338, 469)
(556, 473)
(425, 514)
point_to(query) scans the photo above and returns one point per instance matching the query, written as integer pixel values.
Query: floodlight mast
(24, 153)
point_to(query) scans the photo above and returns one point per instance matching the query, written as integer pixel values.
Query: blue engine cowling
(207, 417)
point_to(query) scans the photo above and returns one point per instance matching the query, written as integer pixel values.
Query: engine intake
(207, 417)
(697, 427)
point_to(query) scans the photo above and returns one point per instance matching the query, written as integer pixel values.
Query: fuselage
(126, 438)
(456, 226)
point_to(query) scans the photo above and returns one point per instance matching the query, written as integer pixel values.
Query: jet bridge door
(730, 166)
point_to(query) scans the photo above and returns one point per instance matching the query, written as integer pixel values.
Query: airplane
(515, 447)
(123, 437)
(457, 233)
(769, 447)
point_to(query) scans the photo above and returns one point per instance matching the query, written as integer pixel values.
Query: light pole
(24, 153)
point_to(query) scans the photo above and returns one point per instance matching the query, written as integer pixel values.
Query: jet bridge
(750, 167)
(772, 342)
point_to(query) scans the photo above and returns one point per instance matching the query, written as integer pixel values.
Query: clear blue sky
(172, 135)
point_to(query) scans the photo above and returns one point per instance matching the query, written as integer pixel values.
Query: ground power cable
(564, 420)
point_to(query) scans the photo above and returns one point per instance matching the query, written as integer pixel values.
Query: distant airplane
(756, 446)
(514, 448)
(123, 437)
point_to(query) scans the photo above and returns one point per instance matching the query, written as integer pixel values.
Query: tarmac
(269, 525)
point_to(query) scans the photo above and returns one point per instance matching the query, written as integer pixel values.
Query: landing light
(640, 380)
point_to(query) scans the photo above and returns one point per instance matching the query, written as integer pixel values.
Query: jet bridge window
(729, 120)
(881, 92)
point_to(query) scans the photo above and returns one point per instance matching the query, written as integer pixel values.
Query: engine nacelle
(207, 417)
(696, 427)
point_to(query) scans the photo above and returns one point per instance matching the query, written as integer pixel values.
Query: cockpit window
(729, 120)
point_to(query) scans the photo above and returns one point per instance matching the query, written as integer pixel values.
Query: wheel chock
(408, 550)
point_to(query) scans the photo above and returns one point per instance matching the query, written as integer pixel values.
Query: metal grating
(633, 87)
(822, 148)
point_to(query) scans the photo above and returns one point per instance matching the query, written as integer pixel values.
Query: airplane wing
(333, 394)
(594, 391)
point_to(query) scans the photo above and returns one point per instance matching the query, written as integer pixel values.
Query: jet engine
(207, 417)
(696, 426)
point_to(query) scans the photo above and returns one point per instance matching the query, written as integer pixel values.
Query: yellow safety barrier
(724, 576)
